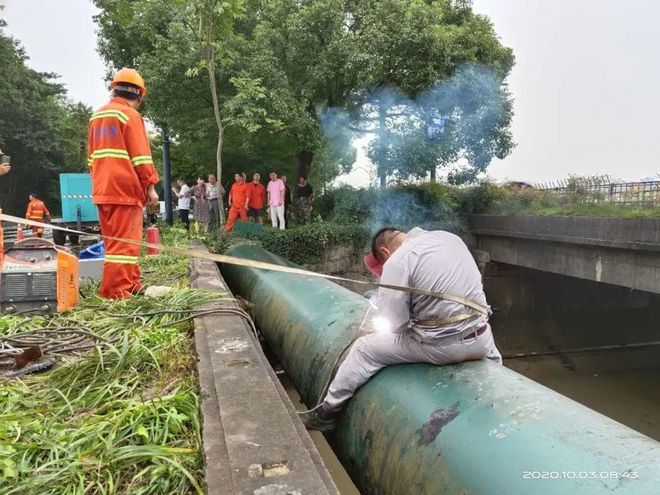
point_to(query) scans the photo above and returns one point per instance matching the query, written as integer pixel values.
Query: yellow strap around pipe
(231, 260)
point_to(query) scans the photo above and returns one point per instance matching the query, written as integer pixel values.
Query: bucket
(94, 251)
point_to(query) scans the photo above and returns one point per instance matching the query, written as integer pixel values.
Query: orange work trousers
(234, 213)
(121, 273)
(37, 231)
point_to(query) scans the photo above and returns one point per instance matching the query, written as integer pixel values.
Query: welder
(412, 327)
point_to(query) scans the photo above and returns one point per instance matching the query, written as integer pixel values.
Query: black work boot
(319, 420)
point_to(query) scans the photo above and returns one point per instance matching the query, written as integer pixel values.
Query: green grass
(547, 203)
(123, 419)
(599, 210)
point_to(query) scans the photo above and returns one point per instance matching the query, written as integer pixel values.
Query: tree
(174, 44)
(365, 57)
(296, 48)
(417, 47)
(473, 113)
(44, 133)
(281, 66)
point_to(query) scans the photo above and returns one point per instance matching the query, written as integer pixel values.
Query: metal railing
(604, 190)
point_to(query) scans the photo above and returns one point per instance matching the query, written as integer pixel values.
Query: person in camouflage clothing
(304, 196)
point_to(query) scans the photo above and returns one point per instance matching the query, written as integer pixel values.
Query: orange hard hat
(126, 75)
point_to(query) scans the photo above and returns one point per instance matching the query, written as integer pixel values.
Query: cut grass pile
(123, 419)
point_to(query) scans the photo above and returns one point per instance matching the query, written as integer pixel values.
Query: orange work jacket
(119, 156)
(239, 194)
(36, 210)
(257, 195)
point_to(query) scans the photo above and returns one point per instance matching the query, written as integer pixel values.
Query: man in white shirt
(183, 194)
(414, 328)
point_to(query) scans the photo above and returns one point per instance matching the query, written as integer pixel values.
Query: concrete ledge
(254, 442)
(617, 251)
(640, 234)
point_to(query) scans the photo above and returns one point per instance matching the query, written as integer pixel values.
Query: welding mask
(373, 265)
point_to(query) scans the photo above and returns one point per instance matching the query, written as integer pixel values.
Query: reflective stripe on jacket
(36, 210)
(119, 155)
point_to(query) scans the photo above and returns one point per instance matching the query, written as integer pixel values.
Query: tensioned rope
(232, 260)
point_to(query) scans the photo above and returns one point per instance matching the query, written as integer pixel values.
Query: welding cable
(56, 340)
(196, 314)
(340, 359)
(53, 341)
(232, 260)
(225, 310)
(67, 340)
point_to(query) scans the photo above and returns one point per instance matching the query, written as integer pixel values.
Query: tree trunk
(210, 65)
(305, 158)
(433, 175)
(383, 136)
(383, 179)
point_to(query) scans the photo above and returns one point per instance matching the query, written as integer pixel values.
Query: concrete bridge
(618, 251)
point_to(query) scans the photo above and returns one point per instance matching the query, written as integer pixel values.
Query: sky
(586, 82)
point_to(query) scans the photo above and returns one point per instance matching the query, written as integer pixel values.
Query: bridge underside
(615, 251)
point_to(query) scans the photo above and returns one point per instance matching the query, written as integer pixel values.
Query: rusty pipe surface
(474, 428)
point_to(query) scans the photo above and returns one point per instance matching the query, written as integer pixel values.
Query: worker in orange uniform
(123, 179)
(257, 200)
(36, 211)
(239, 197)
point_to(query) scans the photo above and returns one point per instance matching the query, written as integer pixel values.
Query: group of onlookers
(206, 199)
(246, 201)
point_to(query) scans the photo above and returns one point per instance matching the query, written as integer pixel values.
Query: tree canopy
(280, 71)
(43, 132)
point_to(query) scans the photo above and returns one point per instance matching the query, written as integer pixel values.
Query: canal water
(598, 345)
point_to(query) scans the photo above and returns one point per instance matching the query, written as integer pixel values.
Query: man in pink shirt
(276, 200)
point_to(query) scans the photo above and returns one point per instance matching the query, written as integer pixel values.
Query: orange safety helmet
(129, 76)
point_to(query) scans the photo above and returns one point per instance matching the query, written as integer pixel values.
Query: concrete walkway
(254, 442)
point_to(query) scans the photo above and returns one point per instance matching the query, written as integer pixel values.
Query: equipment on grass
(78, 210)
(248, 228)
(37, 277)
(153, 237)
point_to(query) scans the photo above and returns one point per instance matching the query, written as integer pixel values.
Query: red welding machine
(36, 276)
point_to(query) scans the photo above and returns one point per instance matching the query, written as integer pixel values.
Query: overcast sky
(586, 82)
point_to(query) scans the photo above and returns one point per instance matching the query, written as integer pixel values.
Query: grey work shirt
(215, 190)
(437, 261)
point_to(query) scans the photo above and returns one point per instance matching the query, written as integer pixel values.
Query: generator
(36, 276)
(78, 210)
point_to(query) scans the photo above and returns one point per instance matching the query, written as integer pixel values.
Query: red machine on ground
(37, 276)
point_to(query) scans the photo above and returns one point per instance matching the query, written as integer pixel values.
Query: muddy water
(547, 313)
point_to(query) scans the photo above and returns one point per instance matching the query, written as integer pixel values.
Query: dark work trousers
(217, 215)
(183, 215)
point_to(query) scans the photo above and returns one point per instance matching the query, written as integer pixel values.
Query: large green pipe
(474, 428)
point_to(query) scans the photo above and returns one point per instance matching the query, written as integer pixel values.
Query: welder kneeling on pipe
(414, 328)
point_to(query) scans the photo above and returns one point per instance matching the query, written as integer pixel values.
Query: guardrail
(603, 190)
